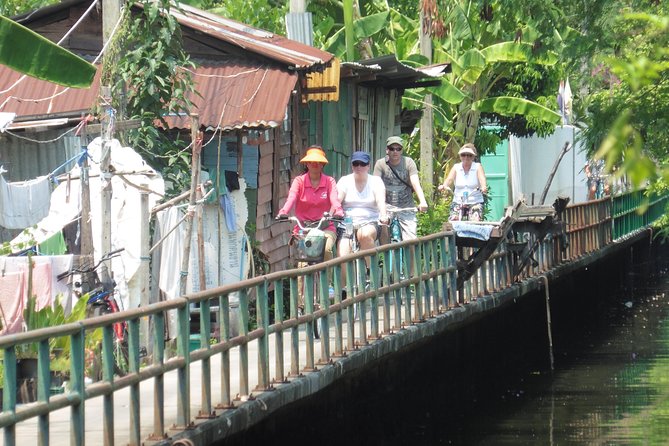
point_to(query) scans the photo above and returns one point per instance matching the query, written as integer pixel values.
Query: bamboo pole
(195, 174)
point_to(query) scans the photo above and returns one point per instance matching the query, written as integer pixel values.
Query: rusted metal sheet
(237, 94)
(323, 86)
(37, 99)
(240, 94)
(273, 46)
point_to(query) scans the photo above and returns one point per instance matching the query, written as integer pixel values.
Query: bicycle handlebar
(108, 256)
(393, 209)
(325, 218)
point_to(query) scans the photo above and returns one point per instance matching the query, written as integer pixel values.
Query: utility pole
(105, 179)
(111, 12)
(144, 265)
(426, 120)
(85, 223)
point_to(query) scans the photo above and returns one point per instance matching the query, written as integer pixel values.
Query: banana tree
(472, 40)
(27, 52)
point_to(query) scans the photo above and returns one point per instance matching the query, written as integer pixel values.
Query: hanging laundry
(229, 213)
(24, 203)
(40, 286)
(54, 245)
(11, 303)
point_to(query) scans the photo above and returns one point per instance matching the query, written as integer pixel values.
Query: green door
(496, 169)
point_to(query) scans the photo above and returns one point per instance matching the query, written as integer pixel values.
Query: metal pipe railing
(409, 282)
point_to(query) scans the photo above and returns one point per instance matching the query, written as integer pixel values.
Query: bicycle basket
(309, 247)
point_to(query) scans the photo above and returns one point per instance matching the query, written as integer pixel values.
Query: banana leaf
(448, 92)
(517, 52)
(362, 28)
(27, 52)
(473, 62)
(510, 106)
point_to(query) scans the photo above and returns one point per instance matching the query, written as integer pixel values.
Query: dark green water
(491, 384)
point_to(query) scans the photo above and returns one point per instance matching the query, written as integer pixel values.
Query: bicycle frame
(309, 283)
(396, 263)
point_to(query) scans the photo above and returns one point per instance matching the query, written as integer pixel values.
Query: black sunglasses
(358, 164)
(394, 149)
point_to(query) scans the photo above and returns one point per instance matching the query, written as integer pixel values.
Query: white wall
(532, 159)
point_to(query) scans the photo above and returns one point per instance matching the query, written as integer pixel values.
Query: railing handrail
(429, 289)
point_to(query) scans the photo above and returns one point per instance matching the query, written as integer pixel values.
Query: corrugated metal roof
(273, 46)
(35, 98)
(235, 94)
(323, 86)
(388, 72)
(240, 94)
(289, 52)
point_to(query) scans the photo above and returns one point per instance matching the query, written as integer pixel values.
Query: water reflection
(491, 384)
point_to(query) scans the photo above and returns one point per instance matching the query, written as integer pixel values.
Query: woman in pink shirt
(312, 194)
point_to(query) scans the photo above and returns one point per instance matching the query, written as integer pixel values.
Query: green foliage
(10, 8)
(7, 248)
(149, 67)
(432, 221)
(264, 14)
(27, 52)
(628, 121)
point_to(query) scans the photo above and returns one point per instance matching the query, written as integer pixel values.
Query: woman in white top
(363, 197)
(470, 184)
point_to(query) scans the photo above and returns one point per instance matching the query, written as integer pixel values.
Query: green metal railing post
(159, 380)
(397, 278)
(135, 401)
(183, 372)
(294, 331)
(350, 281)
(375, 281)
(43, 385)
(453, 276)
(279, 371)
(77, 386)
(387, 280)
(324, 296)
(308, 291)
(224, 331)
(244, 348)
(108, 376)
(362, 305)
(339, 332)
(206, 410)
(9, 393)
(417, 262)
(409, 260)
(262, 310)
(443, 278)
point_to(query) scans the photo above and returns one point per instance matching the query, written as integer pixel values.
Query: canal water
(492, 384)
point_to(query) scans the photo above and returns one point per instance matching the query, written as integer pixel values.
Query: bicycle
(308, 246)
(465, 210)
(395, 236)
(102, 299)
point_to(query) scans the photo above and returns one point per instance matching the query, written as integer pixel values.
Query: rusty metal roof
(273, 46)
(240, 94)
(235, 94)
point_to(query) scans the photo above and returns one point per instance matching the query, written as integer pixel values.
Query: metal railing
(389, 298)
